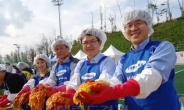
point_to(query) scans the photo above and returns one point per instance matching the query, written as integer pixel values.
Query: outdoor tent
(114, 53)
(80, 54)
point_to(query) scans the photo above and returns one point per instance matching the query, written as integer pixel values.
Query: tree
(111, 19)
(105, 10)
(114, 27)
(1, 59)
(119, 7)
(169, 11)
(181, 7)
(92, 19)
(7, 58)
(32, 54)
(153, 8)
(101, 18)
(160, 12)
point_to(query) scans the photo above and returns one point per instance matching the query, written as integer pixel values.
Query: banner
(180, 58)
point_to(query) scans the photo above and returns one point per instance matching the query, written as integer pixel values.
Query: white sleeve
(44, 81)
(149, 81)
(114, 81)
(11, 97)
(6, 92)
(30, 83)
(74, 81)
(105, 76)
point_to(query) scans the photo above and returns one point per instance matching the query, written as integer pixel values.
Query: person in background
(144, 76)
(25, 69)
(42, 63)
(95, 66)
(13, 84)
(16, 69)
(9, 67)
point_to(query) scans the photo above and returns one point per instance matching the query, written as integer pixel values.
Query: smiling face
(41, 65)
(137, 32)
(91, 46)
(62, 51)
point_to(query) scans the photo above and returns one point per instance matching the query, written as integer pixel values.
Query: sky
(24, 22)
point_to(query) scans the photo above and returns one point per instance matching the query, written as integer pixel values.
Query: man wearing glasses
(144, 76)
(94, 67)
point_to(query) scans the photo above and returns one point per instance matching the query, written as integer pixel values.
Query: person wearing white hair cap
(42, 63)
(95, 66)
(62, 70)
(25, 69)
(144, 76)
(9, 67)
(13, 84)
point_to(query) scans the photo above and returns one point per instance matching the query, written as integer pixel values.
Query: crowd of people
(144, 76)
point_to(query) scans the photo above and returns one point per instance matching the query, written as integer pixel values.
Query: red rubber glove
(3, 97)
(105, 93)
(25, 89)
(4, 102)
(69, 95)
(52, 90)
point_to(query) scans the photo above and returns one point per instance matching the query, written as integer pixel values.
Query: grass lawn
(179, 79)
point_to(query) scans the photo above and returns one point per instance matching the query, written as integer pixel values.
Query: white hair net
(137, 14)
(60, 41)
(2, 68)
(22, 65)
(43, 57)
(95, 32)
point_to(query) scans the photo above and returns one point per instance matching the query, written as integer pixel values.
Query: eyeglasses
(92, 42)
(137, 24)
(60, 48)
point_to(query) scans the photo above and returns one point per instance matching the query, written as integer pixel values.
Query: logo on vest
(61, 73)
(135, 67)
(88, 76)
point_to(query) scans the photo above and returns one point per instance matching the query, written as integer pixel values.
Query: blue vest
(38, 79)
(92, 72)
(164, 98)
(63, 72)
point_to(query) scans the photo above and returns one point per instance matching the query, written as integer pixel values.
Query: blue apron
(160, 99)
(63, 74)
(92, 72)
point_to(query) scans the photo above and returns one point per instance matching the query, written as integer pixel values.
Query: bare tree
(69, 38)
(1, 59)
(169, 11)
(153, 8)
(32, 54)
(111, 19)
(160, 11)
(119, 7)
(105, 11)
(114, 27)
(92, 19)
(147, 6)
(8, 58)
(43, 46)
(101, 18)
(181, 7)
